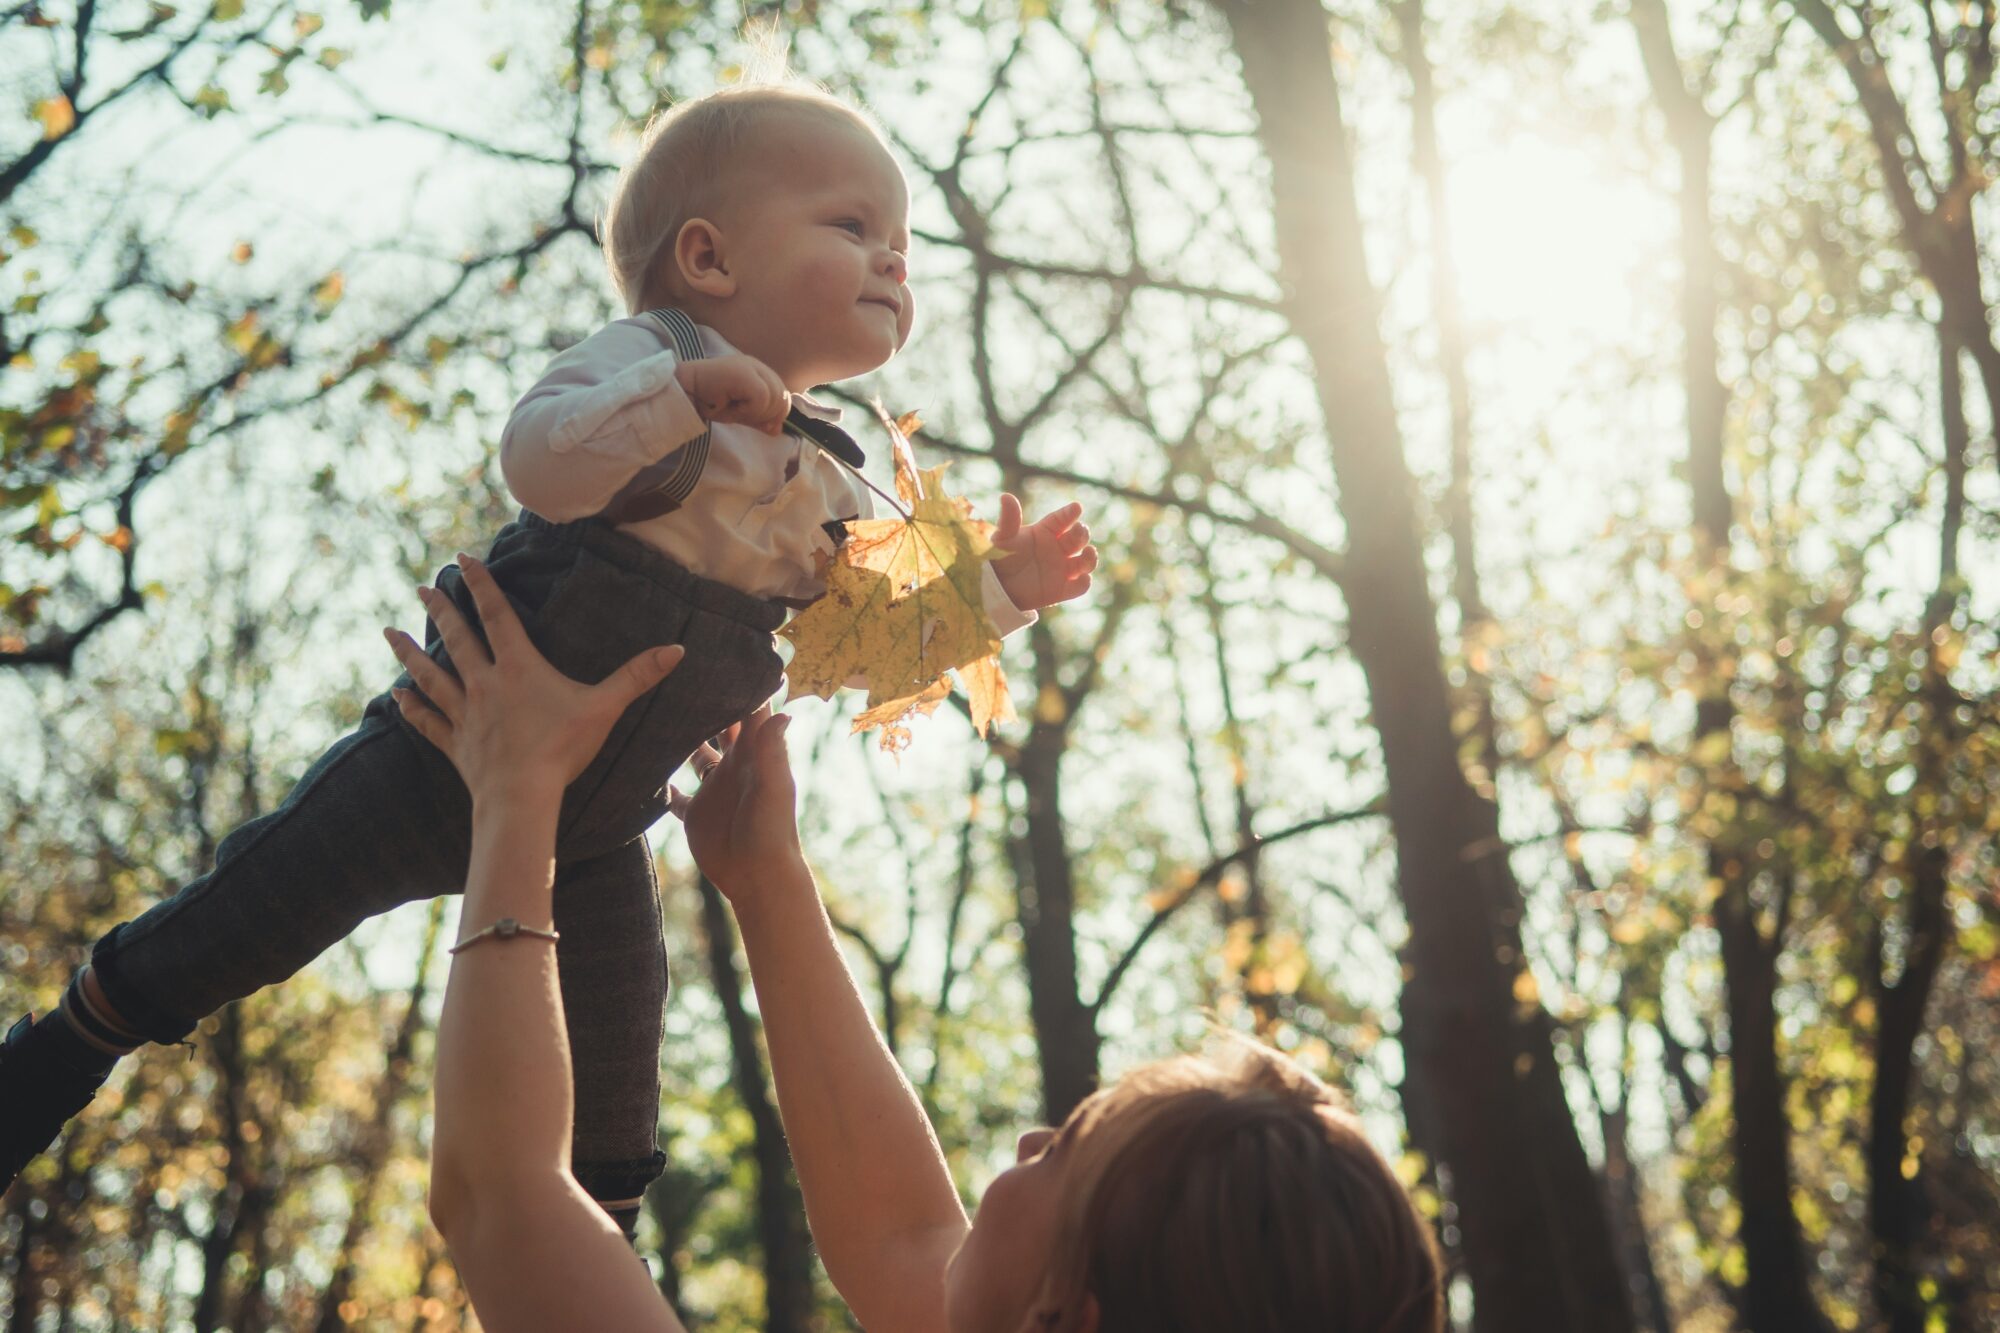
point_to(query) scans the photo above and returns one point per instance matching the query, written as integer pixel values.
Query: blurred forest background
(1544, 674)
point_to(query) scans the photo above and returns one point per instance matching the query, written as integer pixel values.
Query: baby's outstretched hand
(1045, 563)
(739, 389)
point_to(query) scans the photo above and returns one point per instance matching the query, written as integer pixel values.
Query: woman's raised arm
(878, 1196)
(533, 1250)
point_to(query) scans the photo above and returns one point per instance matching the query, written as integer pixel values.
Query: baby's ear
(698, 257)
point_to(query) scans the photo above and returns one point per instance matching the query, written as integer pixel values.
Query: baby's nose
(897, 266)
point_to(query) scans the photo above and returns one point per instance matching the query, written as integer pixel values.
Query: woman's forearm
(878, 1195)
(504, 1099)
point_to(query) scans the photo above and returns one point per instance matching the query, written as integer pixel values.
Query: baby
(678, 487)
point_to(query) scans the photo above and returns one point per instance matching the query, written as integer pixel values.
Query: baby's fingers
(438, 684)
(778, 404)
(1010, 518)
(1057, 520)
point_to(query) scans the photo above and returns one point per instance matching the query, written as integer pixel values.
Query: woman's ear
(699, 258)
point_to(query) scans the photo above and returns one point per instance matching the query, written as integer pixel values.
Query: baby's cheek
(908, 319)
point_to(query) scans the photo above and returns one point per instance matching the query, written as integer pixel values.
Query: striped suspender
(661, 487)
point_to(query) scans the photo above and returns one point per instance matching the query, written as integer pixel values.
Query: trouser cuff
(135, 1011)
(619, 1180)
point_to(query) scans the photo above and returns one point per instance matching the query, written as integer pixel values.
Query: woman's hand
(741, 827)
(508, 719)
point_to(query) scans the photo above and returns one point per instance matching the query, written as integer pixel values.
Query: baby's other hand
(739, 389)
(1046, 563)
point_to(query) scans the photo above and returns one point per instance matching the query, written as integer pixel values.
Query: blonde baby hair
(686, 162)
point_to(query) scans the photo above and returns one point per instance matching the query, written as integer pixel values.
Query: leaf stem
(893, 502)
(863, 479)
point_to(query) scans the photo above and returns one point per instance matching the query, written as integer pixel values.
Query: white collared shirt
(611, 405)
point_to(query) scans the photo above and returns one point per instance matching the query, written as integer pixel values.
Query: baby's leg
(614, 989)
(378, 821)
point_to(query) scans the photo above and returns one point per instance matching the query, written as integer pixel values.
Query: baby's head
(774, 214)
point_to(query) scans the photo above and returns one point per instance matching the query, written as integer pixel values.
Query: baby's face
(816, 243)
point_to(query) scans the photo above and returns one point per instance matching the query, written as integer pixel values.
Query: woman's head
(1197, 1197)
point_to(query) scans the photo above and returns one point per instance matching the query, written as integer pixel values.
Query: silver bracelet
(506, 928)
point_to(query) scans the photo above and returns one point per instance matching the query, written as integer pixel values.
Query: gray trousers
(382, 819)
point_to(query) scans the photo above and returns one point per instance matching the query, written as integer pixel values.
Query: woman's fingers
(678, 802)
(704, 760)
(741, 737)
(496, 616)
(467, 652)
(432, 725)
(771, 738)
(640, 674)
(439, 685)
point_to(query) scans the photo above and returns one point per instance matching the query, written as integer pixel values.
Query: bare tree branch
(1207, 877)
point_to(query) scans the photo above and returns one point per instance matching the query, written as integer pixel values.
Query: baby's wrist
(1008, 570)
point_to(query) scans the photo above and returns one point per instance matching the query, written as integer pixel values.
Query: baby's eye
(851, 224)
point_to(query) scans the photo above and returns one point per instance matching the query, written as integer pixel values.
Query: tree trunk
(372, 1152)
(1474, 619)
(234, 1204)
(1066, 1037)
(1898, 1202)
(1897, 1208)
(1627, 1205)
(788, 1287)
(1777, 1295)
(1537, 1245)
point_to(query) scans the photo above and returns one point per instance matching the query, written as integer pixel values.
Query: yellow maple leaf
(58, 116)
(903, 606)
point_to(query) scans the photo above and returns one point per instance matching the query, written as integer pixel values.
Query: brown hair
(1204, 1198)
(683, 170)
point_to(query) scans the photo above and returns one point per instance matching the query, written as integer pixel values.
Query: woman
(1186, 1197)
